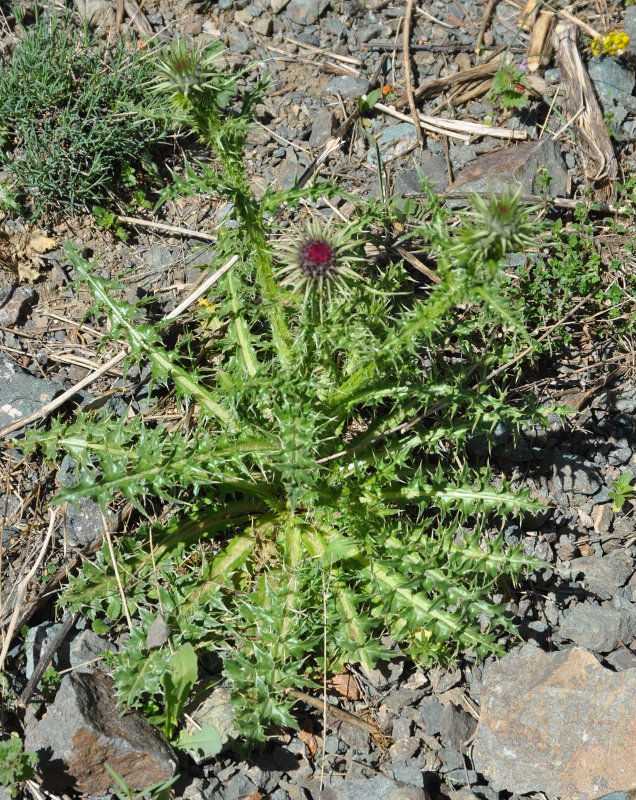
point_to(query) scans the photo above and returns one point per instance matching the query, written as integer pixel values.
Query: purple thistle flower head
(318, 260)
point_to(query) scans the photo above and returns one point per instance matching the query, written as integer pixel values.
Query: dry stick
(138, 18)
(336, 57)
(597, 152)
(436, 85)
(45, 659)
(47, 409)
(338, 713)
(122, 594)
(484, 25)
(457, 128)
(22, 587)
(62, 573)
(406, 33)
(538, 38)
(160, 226)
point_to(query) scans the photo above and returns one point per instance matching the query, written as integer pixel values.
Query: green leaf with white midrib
(140, 341)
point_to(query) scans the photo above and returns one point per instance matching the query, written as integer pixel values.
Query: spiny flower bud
(318, 260)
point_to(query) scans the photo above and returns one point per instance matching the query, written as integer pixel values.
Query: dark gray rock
(158, 255)
(306, 12)
(516, 166)
(22, 393)
(614, 83)
(239, 787)
(597, 628)
(444, 678)
(15, 302)
(460, 776)
(369, 789)
(606, 574)
(406, 772)
(349, 88)
(86, 647)
(402, 728)
(37, 641)
(451, 759)
(431, 710)
(456, 726)
(321, 128)
(621, 659)
(83, 730)
(83, 523)
(571, 473)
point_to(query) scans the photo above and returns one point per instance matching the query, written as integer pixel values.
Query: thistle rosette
(318, 262)
(496, 225)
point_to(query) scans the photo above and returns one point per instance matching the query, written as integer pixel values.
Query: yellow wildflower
(614, 43)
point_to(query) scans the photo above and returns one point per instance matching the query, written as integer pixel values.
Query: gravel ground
(555, 718)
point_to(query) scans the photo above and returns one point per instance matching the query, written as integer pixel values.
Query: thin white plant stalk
(22, 587)
(122, 594)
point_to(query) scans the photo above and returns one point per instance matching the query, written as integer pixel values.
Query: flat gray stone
(557, 723)
(614, 83)
(516, 166)
(306, 12)
(348, 87)
(456, 726)
(604, 575)
(574, 474)
(15, 301)
(83, 523)
(321, 128)
(22, 393)
(598, 628)
(370, 789)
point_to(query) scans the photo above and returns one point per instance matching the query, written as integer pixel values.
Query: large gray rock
(370, 789)
(604, 575)
(557, 723)
(516, 166)
(572, 473)
(14, 302)
(598, 628)
(83, 730)
(84, 523)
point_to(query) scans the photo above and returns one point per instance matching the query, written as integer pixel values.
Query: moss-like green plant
(65, 116)
(322, 493)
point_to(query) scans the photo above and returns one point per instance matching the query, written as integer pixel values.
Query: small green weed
(621, 491)
(508, 87)
(321, 492)
(16, 766)
(65, 106)
(549, 284)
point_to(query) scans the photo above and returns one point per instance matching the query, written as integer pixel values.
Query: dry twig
(597, 154)
(406, 34)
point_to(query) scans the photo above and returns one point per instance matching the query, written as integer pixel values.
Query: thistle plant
(322, 492)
